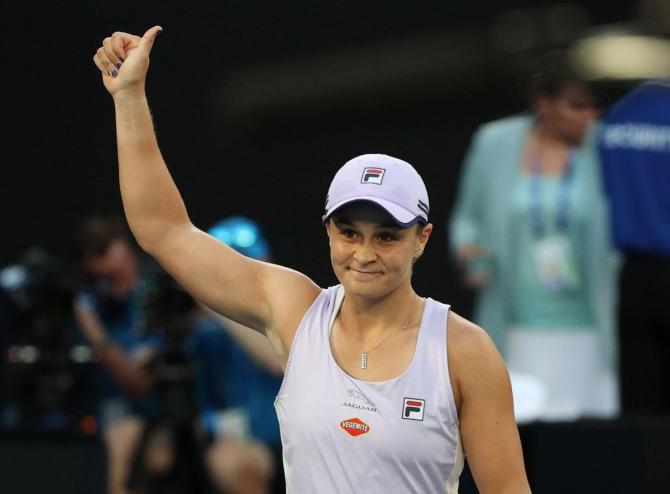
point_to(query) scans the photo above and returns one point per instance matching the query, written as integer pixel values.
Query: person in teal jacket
(530, 230)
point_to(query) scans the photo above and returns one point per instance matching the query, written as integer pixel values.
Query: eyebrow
(346, 222)
(342, 223)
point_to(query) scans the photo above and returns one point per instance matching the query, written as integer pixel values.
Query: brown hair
(552, 72)
(96, 233)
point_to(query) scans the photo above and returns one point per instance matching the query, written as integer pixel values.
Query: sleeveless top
(344, 435)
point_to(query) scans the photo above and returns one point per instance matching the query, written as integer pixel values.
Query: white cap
(389, 182)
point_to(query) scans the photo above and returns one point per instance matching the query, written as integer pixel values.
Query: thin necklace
(364, 355)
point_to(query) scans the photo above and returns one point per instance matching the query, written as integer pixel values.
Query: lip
(364, 274)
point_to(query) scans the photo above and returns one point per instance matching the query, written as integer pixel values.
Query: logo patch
(412, 408)
(359, 401)
(372, 175)
(355, 427)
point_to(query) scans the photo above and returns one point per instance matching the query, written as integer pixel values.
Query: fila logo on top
(372, 175)
(412, 408)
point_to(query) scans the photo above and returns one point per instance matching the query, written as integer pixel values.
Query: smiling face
(371, 256)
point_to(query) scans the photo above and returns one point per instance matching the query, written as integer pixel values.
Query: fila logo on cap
(372, 175)
(412, 408)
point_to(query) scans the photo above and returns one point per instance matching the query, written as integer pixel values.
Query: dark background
(257, 104)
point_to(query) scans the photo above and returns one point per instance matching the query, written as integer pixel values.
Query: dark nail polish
(122, 59)
(118, 65)
(114, 73)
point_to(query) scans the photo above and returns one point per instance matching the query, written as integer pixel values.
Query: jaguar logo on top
(359, 401)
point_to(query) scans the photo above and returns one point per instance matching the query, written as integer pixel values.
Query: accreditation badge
(555, 263)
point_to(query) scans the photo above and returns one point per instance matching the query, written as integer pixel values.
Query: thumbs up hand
(123, 60)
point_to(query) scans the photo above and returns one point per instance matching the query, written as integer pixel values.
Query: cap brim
(401, 216)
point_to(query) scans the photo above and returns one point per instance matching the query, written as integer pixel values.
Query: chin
(367, 289)
(575, 139)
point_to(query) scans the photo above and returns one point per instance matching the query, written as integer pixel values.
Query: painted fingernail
(122, 59)
(114, 73)
(118, 65)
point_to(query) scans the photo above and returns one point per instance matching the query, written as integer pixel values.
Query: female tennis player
(384, 391)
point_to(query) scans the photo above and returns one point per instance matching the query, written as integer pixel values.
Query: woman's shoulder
(470, 346)
(503, 128)
(326, 299)
(474, 360)
(465, 337)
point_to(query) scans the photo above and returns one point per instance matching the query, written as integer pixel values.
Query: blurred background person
(107, 310)
(253, 374)
(529, 229)
(635, 148)
(109, 266)
(162, 380)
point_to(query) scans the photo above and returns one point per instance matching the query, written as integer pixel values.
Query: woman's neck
(545, 152)
(546, 138)
(369, 315)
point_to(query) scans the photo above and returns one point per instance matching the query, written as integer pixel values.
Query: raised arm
(248, 291)
(484, 397)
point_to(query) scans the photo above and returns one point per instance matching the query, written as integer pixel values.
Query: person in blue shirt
(112, 317)
(106, 310)
(253, 372)
(634, 144)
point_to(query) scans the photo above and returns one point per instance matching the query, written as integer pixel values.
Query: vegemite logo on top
(372, 175)
(355, 427)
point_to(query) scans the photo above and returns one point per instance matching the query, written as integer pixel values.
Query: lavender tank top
(344, 435)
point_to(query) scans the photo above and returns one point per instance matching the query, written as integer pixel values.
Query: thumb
(147, 41)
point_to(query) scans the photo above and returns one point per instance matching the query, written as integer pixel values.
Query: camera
(166, 313)
(40, 371)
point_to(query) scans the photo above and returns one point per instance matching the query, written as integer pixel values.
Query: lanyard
(536, 214)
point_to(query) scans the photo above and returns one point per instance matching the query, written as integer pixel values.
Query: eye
(348, 233)
(387, 237)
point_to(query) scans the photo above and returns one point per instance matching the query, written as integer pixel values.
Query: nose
(365, 253)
